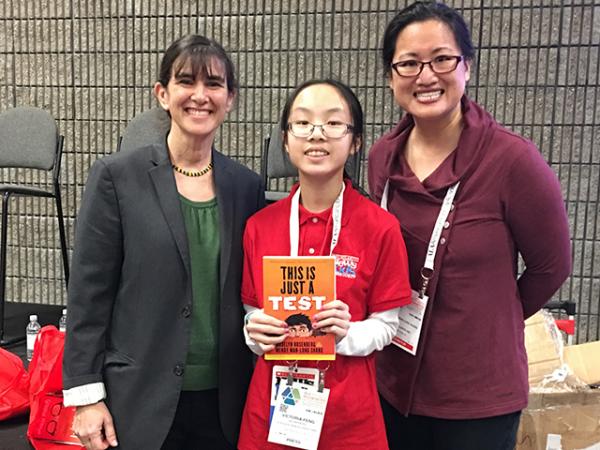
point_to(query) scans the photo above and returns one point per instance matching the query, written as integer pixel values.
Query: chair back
(276, 159)
(28, 138)
(146, 128)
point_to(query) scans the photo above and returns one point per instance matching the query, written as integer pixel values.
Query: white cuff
(252, 345)
(86, 394)
(371, 334)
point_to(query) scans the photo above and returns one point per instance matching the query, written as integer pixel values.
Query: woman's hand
(333, 318)
(265, 330)
(93, 425)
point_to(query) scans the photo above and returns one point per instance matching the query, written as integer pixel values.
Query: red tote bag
(14, 386)
(50, 422)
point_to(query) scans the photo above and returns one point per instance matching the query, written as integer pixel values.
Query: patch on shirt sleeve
(345, 266)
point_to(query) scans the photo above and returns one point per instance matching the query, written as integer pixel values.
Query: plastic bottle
(33, 328)
(62, 323)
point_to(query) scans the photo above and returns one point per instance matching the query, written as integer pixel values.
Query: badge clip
(426, 275)
(322, 378)
(292, 368)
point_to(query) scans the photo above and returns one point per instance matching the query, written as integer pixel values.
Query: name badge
(298, 417)
(411, 322)
(304, 378)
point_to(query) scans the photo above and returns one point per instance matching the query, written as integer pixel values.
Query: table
(16, 317)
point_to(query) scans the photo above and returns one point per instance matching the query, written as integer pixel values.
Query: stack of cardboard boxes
(565, 416)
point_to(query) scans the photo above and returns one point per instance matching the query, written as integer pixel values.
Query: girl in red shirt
(322, 125)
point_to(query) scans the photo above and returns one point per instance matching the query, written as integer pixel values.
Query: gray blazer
(130, 292)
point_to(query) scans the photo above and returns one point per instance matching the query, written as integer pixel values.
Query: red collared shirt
(371, 238)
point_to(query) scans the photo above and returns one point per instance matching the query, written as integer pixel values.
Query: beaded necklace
(189, 173)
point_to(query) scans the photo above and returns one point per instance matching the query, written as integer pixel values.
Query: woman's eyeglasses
(440, 64)
(332, 130)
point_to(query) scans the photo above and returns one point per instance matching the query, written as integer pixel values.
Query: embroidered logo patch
(345, 266)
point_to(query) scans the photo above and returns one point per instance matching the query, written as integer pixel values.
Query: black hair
(356, 112)
(347, 94)
(420, 12)
(299, 319)
(200, 52)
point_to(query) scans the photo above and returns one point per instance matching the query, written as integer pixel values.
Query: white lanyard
(336, 217)
(437, 229)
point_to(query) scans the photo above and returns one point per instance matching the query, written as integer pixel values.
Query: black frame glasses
(408, 67)
(304, 129)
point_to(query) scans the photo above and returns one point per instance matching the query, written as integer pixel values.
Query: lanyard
(336, 216)
(427, 270)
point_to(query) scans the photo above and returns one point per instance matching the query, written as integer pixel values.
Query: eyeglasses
(439, 64)
(332, 130)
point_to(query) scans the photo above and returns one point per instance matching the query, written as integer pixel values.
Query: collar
(306, 215)
(349, 198)
(479, 128)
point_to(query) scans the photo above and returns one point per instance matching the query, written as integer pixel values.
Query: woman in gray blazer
(154, 356)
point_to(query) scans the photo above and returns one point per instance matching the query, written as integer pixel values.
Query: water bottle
(32, 331)
(62, 323)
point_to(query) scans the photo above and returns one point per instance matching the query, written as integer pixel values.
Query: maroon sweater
(471, 360)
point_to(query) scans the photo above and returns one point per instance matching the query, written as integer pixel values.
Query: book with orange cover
(294, 290)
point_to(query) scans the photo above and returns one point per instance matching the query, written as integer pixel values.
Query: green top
(202, 226)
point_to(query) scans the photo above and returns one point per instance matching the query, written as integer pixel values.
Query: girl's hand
(265, 330)
(333, 318)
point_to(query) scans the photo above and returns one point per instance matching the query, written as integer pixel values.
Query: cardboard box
(575, 416)
(584, 361)
(543, 352)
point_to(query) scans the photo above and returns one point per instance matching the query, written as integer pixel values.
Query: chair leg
(61, 230)
(3, 245)
(5, 197)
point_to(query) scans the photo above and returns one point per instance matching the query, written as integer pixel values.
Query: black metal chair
(275, 163)
(29, 139)
(148, 127)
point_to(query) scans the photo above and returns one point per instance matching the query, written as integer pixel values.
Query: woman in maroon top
(466, 384)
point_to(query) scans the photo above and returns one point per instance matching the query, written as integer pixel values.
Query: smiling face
(429, 96)
(318, 155)
(197, 103)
